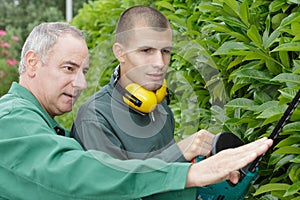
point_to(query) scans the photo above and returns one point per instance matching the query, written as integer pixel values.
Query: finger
(248, 153)
(205, 149)
(259, 146)
(205, 136)
(234, 177)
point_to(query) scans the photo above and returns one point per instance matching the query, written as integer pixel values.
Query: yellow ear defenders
(147, 100)
(139, 98)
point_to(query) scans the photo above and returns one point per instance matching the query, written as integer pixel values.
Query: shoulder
(11, 104)
(20, 116)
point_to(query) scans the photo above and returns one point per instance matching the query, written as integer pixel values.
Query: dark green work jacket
(104, 122)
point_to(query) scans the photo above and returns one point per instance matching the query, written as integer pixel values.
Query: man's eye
(69, 68)
(166, 51)
(146, 50)
(85, 71)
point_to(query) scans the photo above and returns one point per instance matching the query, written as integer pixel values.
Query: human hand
(198, 144)
(225, 164)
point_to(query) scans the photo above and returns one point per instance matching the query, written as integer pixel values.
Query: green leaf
(208, 8)
(294, 173)
(269, 41)
(277, 20)
(288, 93)
(232, 21)
(292, 46)
(240, 103)
(254, 35)
(272, 119)
(234, 63)
(287, 77)
(285, 159)
(293, 1)
(293, 189)
(294, 17)
(262, 76)
(276, 5)
(284, 58)
(232, 48)
(292, 127)
(297, 66)
(223, 28)
(288, 150)
(233, 5)
(177, 19)
(273, 66)
(253, 56)
(295, 27)
(272, 187)
(288, 141)
(296, 160)
(165, 4)
(244, 12)
(262, 96)
(191, 23)
(265, 106)
(270, 112)
(238, 85)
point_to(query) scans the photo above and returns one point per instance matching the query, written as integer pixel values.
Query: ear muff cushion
(148, 98)
(161, 92)
(225, 140)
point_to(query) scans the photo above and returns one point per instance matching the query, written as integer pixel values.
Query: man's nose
(80, 81)
(159, 60)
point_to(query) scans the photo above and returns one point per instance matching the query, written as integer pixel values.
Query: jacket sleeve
(38, 164)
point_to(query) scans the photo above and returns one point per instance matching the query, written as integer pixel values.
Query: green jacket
(39, 162)
(104, 122)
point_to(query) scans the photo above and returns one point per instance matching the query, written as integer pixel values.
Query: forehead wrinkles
(74, 51)
(68, 41)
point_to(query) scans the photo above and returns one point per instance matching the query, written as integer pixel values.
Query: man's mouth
(156, 77)
(71, 96)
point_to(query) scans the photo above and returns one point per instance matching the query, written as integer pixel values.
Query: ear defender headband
(139, 98)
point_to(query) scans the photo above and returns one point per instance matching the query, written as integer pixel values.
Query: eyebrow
(169, 48)
(76, 65)
(151, 47)
(71, 63)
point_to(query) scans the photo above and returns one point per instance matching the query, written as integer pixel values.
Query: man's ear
(118, 50)
(31, 62)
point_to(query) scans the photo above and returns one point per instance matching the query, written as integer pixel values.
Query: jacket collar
(23, 93)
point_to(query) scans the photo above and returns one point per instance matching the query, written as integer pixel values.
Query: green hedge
(235, 67)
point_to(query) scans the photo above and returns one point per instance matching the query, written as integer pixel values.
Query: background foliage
(17, 19)
(235, 67)
(9, 45)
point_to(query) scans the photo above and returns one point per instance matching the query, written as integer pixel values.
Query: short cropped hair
(136, 14)
(43, 37)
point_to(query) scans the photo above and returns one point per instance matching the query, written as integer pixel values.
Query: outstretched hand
(225, 164)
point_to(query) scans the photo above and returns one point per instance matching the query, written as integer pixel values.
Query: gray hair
(43, 37)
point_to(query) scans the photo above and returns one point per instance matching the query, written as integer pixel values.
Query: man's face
(146, 57)
(60, 80)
